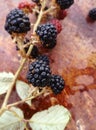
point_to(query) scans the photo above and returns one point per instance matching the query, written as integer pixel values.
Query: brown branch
(23, 61)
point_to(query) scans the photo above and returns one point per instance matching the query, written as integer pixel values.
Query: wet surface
(74, 58)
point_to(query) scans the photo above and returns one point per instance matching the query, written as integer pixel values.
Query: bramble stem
(27, 99)
(39, 17)
(22, 62)
(13, 82)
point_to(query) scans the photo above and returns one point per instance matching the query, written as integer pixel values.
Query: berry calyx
(57, 24)
(17, 22)
(92, 14)
(39, 74)
(47, 34)
(64, 4)
(57, 84)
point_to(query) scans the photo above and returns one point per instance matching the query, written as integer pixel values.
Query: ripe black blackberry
(44, 58)
(92, 14)
(64, 4)
(57, 84)
(39, 74)
(17, 22)
(47, 34)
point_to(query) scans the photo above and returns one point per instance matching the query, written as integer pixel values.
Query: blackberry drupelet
(92, 14)
(39, 74)
(57, 84)
(17, 22)
(47, 34)
(64, 4)
(44, 58)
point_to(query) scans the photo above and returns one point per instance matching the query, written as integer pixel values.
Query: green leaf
(9, 121)
(5, 80)
(55, 118)
(23, 90)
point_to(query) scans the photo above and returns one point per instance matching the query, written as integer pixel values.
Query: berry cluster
(39, 75)
(17, 22)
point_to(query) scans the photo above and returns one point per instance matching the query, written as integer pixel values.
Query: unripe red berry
(57, 24)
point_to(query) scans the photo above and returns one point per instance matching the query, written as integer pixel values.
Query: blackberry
(44, 58)
(57, 84)
(47, 34)
(92, 14)
(64, 4)
(17, 22)
(39, 74)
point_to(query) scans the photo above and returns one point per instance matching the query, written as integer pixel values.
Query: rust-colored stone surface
(74, 58)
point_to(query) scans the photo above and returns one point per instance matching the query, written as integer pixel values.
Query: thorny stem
(22, 62)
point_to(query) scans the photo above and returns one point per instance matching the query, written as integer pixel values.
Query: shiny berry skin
(17, 22)
(57, 84)
(47, 34)
(43, 58)
(39, 74)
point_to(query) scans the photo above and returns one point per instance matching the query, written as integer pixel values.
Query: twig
(27, 99)
(23, 61)
(49, 10)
